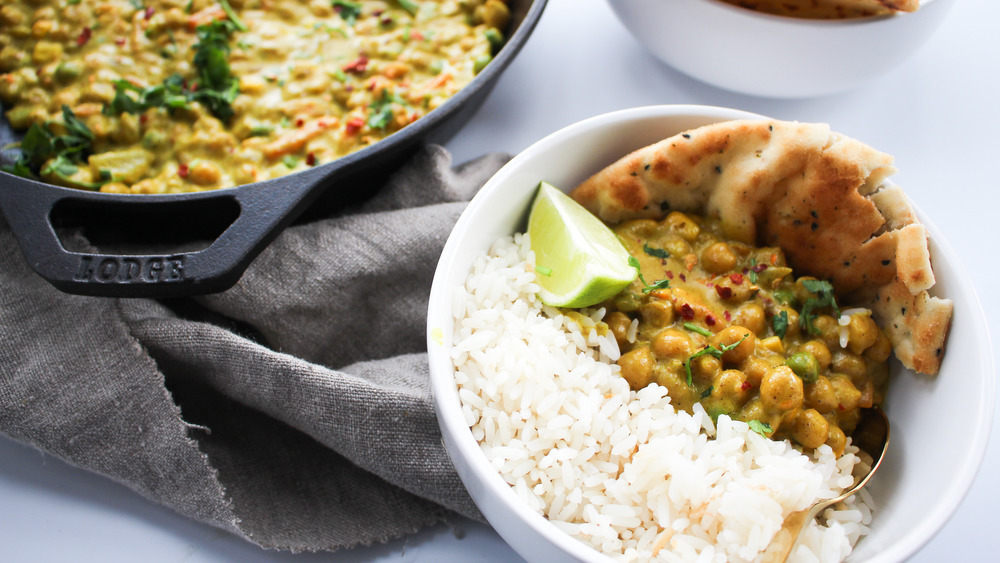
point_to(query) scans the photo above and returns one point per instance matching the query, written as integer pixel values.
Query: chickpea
(754, 370)
(731, 385)
(821, 395)
(741, 340)
(718, 258)
(781, 389)
(115, 188)
(682, 225)
(837, 440)
(637, 367)
(493, 13)
(755, 410)
(828, 330)
(619, 324)
(850, 365)
(705, 368)
(810, 429)
(820, 351)
(751, 316)
(792, 329)
(804, 365)
(677, 247)
(847, 394)
(862, 333)
(672, 343)
(657, 312)
(204, 173)
(880, 350)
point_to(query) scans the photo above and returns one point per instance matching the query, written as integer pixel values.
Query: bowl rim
(456, 433)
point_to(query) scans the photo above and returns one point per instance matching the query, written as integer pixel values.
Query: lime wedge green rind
(588, 263)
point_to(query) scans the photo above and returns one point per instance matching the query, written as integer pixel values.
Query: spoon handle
(787, 538)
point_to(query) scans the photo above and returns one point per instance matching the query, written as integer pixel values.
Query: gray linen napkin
(293, 409)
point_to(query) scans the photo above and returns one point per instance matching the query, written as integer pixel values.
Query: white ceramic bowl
(776, 56)
(940, 424)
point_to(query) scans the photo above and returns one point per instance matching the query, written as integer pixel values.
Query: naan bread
(820, 196)
(829, 9)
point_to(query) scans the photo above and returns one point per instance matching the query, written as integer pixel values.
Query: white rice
(618, 469)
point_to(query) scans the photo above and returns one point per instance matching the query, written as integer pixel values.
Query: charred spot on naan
(822, 197)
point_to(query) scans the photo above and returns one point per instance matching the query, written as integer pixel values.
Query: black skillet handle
(261, 211)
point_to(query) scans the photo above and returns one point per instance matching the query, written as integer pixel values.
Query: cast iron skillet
(242, 220)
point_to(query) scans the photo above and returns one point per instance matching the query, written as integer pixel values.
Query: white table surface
(937, 114)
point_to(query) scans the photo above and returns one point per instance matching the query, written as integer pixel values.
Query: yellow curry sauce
(160, 96)
(728, 325)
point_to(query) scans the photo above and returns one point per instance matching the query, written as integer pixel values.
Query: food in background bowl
(668, 466)
(828, 9)
(166, 96)
(762, 54)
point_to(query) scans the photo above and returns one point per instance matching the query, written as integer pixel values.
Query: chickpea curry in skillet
(729, 325)
(162, 96)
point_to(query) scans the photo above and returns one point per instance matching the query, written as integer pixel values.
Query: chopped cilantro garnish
(823, 297)
(655, 252)
(43, 152)
(707, 391)
(751, 272)
(647, 287)
(711, 351)
(349, 11)
(759, 427)
(381, 110)
(231, 14)
(695, 328)
(779, 323)
(409, 5)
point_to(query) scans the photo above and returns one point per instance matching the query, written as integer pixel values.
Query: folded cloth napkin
(293, 409)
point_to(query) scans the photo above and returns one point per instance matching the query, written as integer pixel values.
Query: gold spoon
(872, 436)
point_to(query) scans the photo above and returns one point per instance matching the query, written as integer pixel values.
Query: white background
(937, 114)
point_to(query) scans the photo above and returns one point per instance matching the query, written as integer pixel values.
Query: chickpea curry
(160, 96)
(728, 325)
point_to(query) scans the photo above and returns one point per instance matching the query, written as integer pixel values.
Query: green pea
(481, 62)
(804, 365)
(68, 71)
(784, 296)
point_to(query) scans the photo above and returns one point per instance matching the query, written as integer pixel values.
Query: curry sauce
(729, 325)
(160, 96)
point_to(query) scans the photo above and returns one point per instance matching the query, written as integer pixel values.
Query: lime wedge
(579, 260)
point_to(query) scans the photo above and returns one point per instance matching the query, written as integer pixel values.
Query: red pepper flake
(759, 268)
(728, 316)
(841, 408)
(143, 119)
(84, 36)
(724, 292)
(774, 259)
(300, 122)
(311, 159)
(710, 320)
(683, 278)
(670, 275)
(745, 385)
(416, 35)
(687, 311)
(120, 41)
(148, 12)
(357, 66)
(736, 278)
(182, 170)
(354, 125)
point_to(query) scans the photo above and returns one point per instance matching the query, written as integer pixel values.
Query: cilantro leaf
(349, 11)
(822, 297)
(759, 427)
(711, 351)
(655, 252)
(695, 328)
(647, 287)
(779, 323)
(381, 110)
(43, 152)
